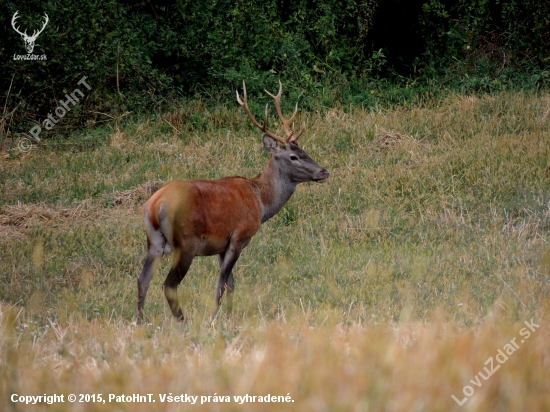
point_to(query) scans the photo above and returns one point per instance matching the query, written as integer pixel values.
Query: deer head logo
(29, 40)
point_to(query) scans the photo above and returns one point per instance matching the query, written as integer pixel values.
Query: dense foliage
(139, 55)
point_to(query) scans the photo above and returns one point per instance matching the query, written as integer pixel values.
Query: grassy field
(387, 288)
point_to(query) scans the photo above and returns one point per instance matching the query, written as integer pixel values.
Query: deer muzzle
(322, 176)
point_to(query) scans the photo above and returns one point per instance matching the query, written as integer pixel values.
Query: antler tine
(244, 104)
(286, 122)
(278, 97)
(294, 138)
(293, 114)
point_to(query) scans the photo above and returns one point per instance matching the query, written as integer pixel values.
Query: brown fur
(233, 209)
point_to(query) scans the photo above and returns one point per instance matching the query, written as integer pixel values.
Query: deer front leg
(230, 289)
(226, 282)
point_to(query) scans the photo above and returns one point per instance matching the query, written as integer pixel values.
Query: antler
(286, 123)
(244, 104)
(15, 16)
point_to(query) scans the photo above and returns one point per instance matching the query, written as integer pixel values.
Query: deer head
(292, 161)
(29, 40)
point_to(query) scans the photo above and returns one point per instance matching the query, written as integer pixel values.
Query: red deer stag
(219, 217)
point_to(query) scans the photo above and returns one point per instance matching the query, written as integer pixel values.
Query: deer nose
(324, 174)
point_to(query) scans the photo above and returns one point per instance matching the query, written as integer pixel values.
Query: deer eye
(292, 157)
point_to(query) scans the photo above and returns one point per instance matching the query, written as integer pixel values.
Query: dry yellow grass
(403, 366)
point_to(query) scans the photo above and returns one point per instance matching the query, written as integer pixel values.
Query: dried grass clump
(16, 219)
(137, 195)
(26, 216)
(118, 138)
(386, 140)
(414, 148)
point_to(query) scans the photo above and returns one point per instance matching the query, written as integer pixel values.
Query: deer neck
(274, 189)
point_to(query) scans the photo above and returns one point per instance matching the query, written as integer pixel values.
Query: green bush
(140, 56)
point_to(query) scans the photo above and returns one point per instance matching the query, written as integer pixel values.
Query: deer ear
(270, 144)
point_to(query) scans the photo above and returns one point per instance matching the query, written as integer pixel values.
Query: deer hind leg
(156, 248)
(182, 262)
